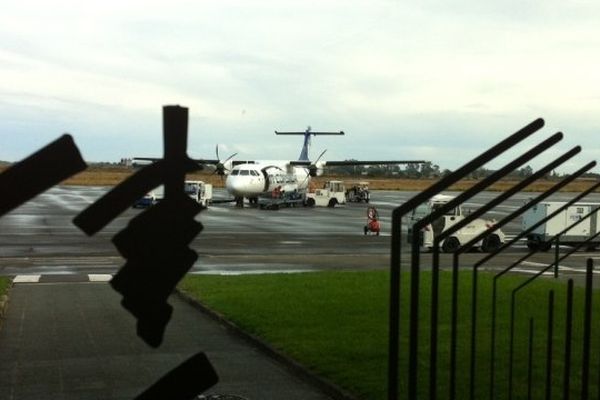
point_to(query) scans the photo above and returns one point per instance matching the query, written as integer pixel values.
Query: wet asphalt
(39, 237)
(65, 337)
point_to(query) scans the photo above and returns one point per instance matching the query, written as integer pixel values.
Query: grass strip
(4, 284)
(335, 323)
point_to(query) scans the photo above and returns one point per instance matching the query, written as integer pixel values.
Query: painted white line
(530, 271)
(99, 277)
(251, 272)
(27, 278)
(291, 242)
(593, 256)
(534, 264)
(560, 267)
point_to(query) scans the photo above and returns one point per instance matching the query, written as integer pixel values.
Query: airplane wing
(357, 162)
(199, 161)
(373, 162)
(298, 162)
(311, 132)
(221, 167)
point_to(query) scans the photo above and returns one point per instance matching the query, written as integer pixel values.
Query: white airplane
(252, 179)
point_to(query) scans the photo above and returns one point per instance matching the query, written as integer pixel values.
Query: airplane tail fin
(307, 134)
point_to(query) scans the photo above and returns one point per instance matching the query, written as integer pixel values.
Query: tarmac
(64, 337)
(71, 339)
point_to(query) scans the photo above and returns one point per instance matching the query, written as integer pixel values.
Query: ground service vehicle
(541, 237)
(281, 198)
(146, 201)
(199, 191)
(358, 192)
(150, 198)
(490, 243)
(332, 194)
(373, 224)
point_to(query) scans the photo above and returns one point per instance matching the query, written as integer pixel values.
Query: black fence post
(549, 341)
(587, 330)
(556, 255)
(530, 360)
(568, 337)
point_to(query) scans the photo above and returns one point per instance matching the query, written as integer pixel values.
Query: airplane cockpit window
(253, 172)
(235, 172)
(244, 172)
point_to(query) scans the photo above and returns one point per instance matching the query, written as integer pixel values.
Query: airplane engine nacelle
(223, 168)
(317, 168)
(228, 165)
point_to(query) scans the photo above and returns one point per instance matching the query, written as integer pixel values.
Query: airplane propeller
(220, 167)
(312, 168)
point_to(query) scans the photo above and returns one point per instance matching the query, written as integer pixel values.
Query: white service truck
(332, 194)
(199, 191)
(488, 244)
(541, 237)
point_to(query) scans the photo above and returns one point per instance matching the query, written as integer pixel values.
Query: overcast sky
(434, 80)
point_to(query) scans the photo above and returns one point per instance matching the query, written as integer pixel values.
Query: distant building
(126, 162)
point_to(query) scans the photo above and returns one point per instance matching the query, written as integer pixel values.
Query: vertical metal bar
(413, 329)
(493, 340)
(473, 334)
(530, 360)
(556, 255)
(550, 330)
(394, 308)
(453, 326)
(511, 346)
(587, 331)
(568, 334)
(435, 277)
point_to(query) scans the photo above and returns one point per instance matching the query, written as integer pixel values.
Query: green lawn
(4, 284)
(335, 323)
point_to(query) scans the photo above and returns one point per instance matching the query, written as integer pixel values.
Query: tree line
(429, 170)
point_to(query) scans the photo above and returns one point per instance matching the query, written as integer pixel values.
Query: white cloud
(404, 80)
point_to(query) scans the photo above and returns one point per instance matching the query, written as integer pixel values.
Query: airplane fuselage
(261, 177)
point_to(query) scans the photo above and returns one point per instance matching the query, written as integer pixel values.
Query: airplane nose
(233, 185)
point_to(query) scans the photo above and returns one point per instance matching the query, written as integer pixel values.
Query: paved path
(72, 340)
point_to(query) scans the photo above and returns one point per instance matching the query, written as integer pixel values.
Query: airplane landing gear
(239, 202)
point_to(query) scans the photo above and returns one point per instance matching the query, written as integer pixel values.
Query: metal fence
(489, 372)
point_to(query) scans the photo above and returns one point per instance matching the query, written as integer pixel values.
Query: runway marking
(27, 278)
(593, 256)
(387, 203)
(560, 268)
(40, 278)
(291, 242)
(99, 277)
(530, 271)
(252, 272)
